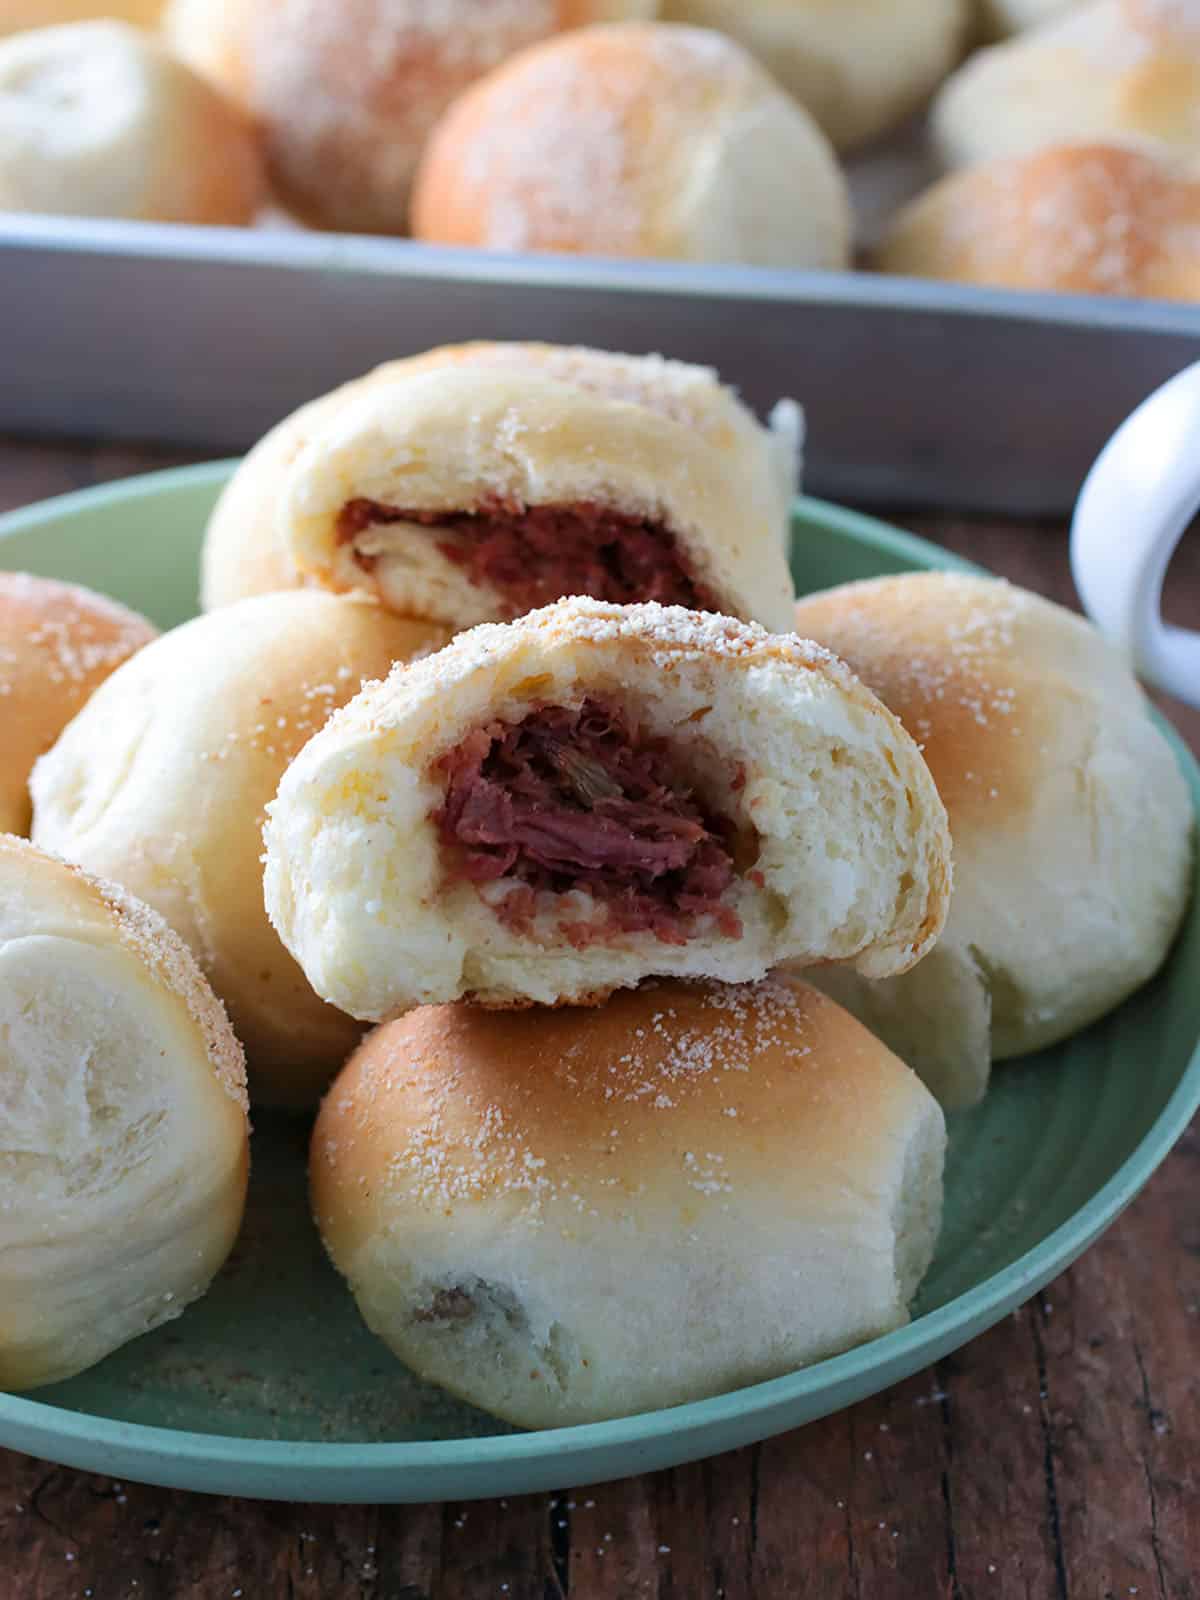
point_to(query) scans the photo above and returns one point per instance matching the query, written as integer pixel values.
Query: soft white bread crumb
(852, 850)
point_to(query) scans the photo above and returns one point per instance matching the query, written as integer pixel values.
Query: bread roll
(553, 808)
(57, 643)
(123, 1132)
(347, 93)
(999, 18)
(1071, 821)
(1088, 218)
(1113, 70)
(161, 783)
(859, 66)
(581, 471)
(18, 15)
(574, 1215)
(97, 120)
(643, 140)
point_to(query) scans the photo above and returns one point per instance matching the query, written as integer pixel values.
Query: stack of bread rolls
(502, 737)
(693, 130)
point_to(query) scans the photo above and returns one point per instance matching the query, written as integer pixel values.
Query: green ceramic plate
(271, 1386)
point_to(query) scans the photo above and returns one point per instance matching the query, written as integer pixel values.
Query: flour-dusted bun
(57, 643)
(580, 472)
(998, 19)
(553, 808)
(859, 66)
(1087, 218)
(641, 140)
(97, 120)
(346, 91)
(1112, 70)
(161, 783)
(574, 1215)
(123, 1132)
(1070, 818)
(18, 15)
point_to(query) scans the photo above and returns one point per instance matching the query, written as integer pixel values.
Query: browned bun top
(667, 1096)
(347, 92)
(980, 673)
(646, 139)
(58, 642)
(1089, 218)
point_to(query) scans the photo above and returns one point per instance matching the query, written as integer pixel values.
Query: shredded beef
(570, 799)
(533, 555)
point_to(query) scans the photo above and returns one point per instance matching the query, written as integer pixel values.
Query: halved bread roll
(58, 642)
(123, 1131)
(476, 482)
(550, 809)
(575, 1215)
(1071, 820)
(161, 782)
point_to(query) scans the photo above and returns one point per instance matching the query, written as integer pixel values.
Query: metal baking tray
(916, 393)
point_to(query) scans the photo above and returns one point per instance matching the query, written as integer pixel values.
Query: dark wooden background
(1057, 1456)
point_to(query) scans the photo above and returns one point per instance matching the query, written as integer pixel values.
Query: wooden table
(1056, 1456)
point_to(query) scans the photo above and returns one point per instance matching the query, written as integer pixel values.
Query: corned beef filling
(577, 799)
(533, 555)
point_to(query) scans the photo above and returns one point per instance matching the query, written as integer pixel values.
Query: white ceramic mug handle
(1132, 511)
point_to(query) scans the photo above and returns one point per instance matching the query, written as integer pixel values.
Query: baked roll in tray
(550, 809)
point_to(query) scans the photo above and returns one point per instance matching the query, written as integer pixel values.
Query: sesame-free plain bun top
(552, 808)
(57, 643)
(571, 1215)
(98, 120)
(636, 140)
(123, 1132)
(1085, 218)
(581, 471)
(1070, 818)
(859, 66)
(346, 91)
(1109, 71)
(162, 785)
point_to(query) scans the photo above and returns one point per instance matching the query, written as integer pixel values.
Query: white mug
(1132, 511)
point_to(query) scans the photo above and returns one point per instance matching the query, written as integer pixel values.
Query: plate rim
(968, 1314)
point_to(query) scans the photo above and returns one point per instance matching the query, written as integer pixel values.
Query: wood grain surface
(1057, 1456)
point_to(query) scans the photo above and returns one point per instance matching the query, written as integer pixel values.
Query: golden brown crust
(58, 642)
(1086, 218)
(453, 1105)
(611, 141)
(346, 94)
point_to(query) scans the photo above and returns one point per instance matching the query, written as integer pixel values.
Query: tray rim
(183, 1458)
(370, 256)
